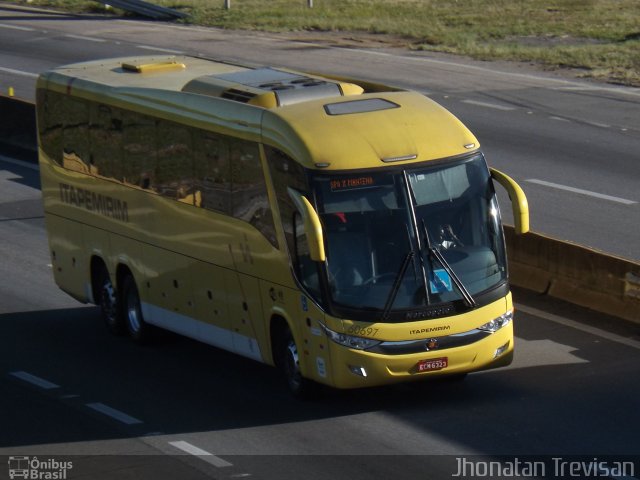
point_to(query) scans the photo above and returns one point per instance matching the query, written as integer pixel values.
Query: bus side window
(212, 171)
(75, 135)
(139, 145)
(307, 269)
(249, 199)
(286, 173)
(174, 168)
(105, 134)
(50, 123)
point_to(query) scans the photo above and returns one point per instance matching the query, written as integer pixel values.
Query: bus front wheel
(138, 329)
(299, 386)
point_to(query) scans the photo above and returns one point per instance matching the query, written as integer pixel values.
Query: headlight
(497, 323)
(350, 341)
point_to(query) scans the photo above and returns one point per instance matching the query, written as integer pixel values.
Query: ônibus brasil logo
(33, 468)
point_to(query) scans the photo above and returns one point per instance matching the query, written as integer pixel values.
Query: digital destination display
(352, 183)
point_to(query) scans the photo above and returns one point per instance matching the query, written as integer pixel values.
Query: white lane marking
(579, 326)
(559, 119)
(596, 124)
(34, 380)
(18, 72)
(580, 191)
(88, 39)
(113, 413)
(17, 27)
(38, 39)
(158, 49)
(203, 454)
(489, 105)
(577, 88)
(621, 90)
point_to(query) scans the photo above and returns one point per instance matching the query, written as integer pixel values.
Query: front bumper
(361, 368)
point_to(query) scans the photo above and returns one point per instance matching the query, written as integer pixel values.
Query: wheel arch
(122, 270)
(96, 264)
(279, 323)
(301, 382)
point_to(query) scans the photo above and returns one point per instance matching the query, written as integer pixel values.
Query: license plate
(434, 364)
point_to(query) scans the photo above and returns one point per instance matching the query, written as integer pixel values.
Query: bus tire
(137, 328)
(107, 300)
(289, 362)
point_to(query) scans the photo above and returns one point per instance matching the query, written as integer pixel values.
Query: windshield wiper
(414, 221)
(399, 276)
(435, 252)
(396, 284)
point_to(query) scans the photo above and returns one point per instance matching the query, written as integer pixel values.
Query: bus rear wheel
(137, 328)
(108, 301)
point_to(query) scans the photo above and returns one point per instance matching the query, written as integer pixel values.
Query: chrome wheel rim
(292, 365)
(133, 311)
(108, 302)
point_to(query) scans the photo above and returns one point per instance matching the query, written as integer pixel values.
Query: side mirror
(518, 200)
(312, 226)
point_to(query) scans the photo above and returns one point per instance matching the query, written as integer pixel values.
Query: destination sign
(351, 183)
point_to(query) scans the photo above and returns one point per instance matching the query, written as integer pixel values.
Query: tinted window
(75, 134)
(174, 167)
(286, 173)
(105, 134)
(139, 144)
(204, 169)
(212, 171)
(249, 199)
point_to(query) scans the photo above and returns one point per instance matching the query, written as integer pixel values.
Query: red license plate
(434, 364)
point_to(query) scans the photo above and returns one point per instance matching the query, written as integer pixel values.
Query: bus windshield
(404, 240)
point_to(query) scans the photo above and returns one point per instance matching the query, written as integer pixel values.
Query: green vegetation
(598, 38)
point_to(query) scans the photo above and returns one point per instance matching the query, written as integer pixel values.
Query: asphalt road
(180, 409)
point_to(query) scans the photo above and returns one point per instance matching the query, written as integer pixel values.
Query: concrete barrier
(561, 269)
(18, 129)
(574, 273)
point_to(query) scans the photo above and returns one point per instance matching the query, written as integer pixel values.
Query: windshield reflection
(379, 227)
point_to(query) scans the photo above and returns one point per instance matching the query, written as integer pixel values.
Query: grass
(596, 38)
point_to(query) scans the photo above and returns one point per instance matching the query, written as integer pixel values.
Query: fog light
(501, 350)
(358, 370)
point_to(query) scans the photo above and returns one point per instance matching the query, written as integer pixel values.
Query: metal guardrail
(144, 8)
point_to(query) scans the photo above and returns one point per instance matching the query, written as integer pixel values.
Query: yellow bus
(344, 231)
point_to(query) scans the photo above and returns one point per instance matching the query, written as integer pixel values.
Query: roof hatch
(268, 87)
(168, 66)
